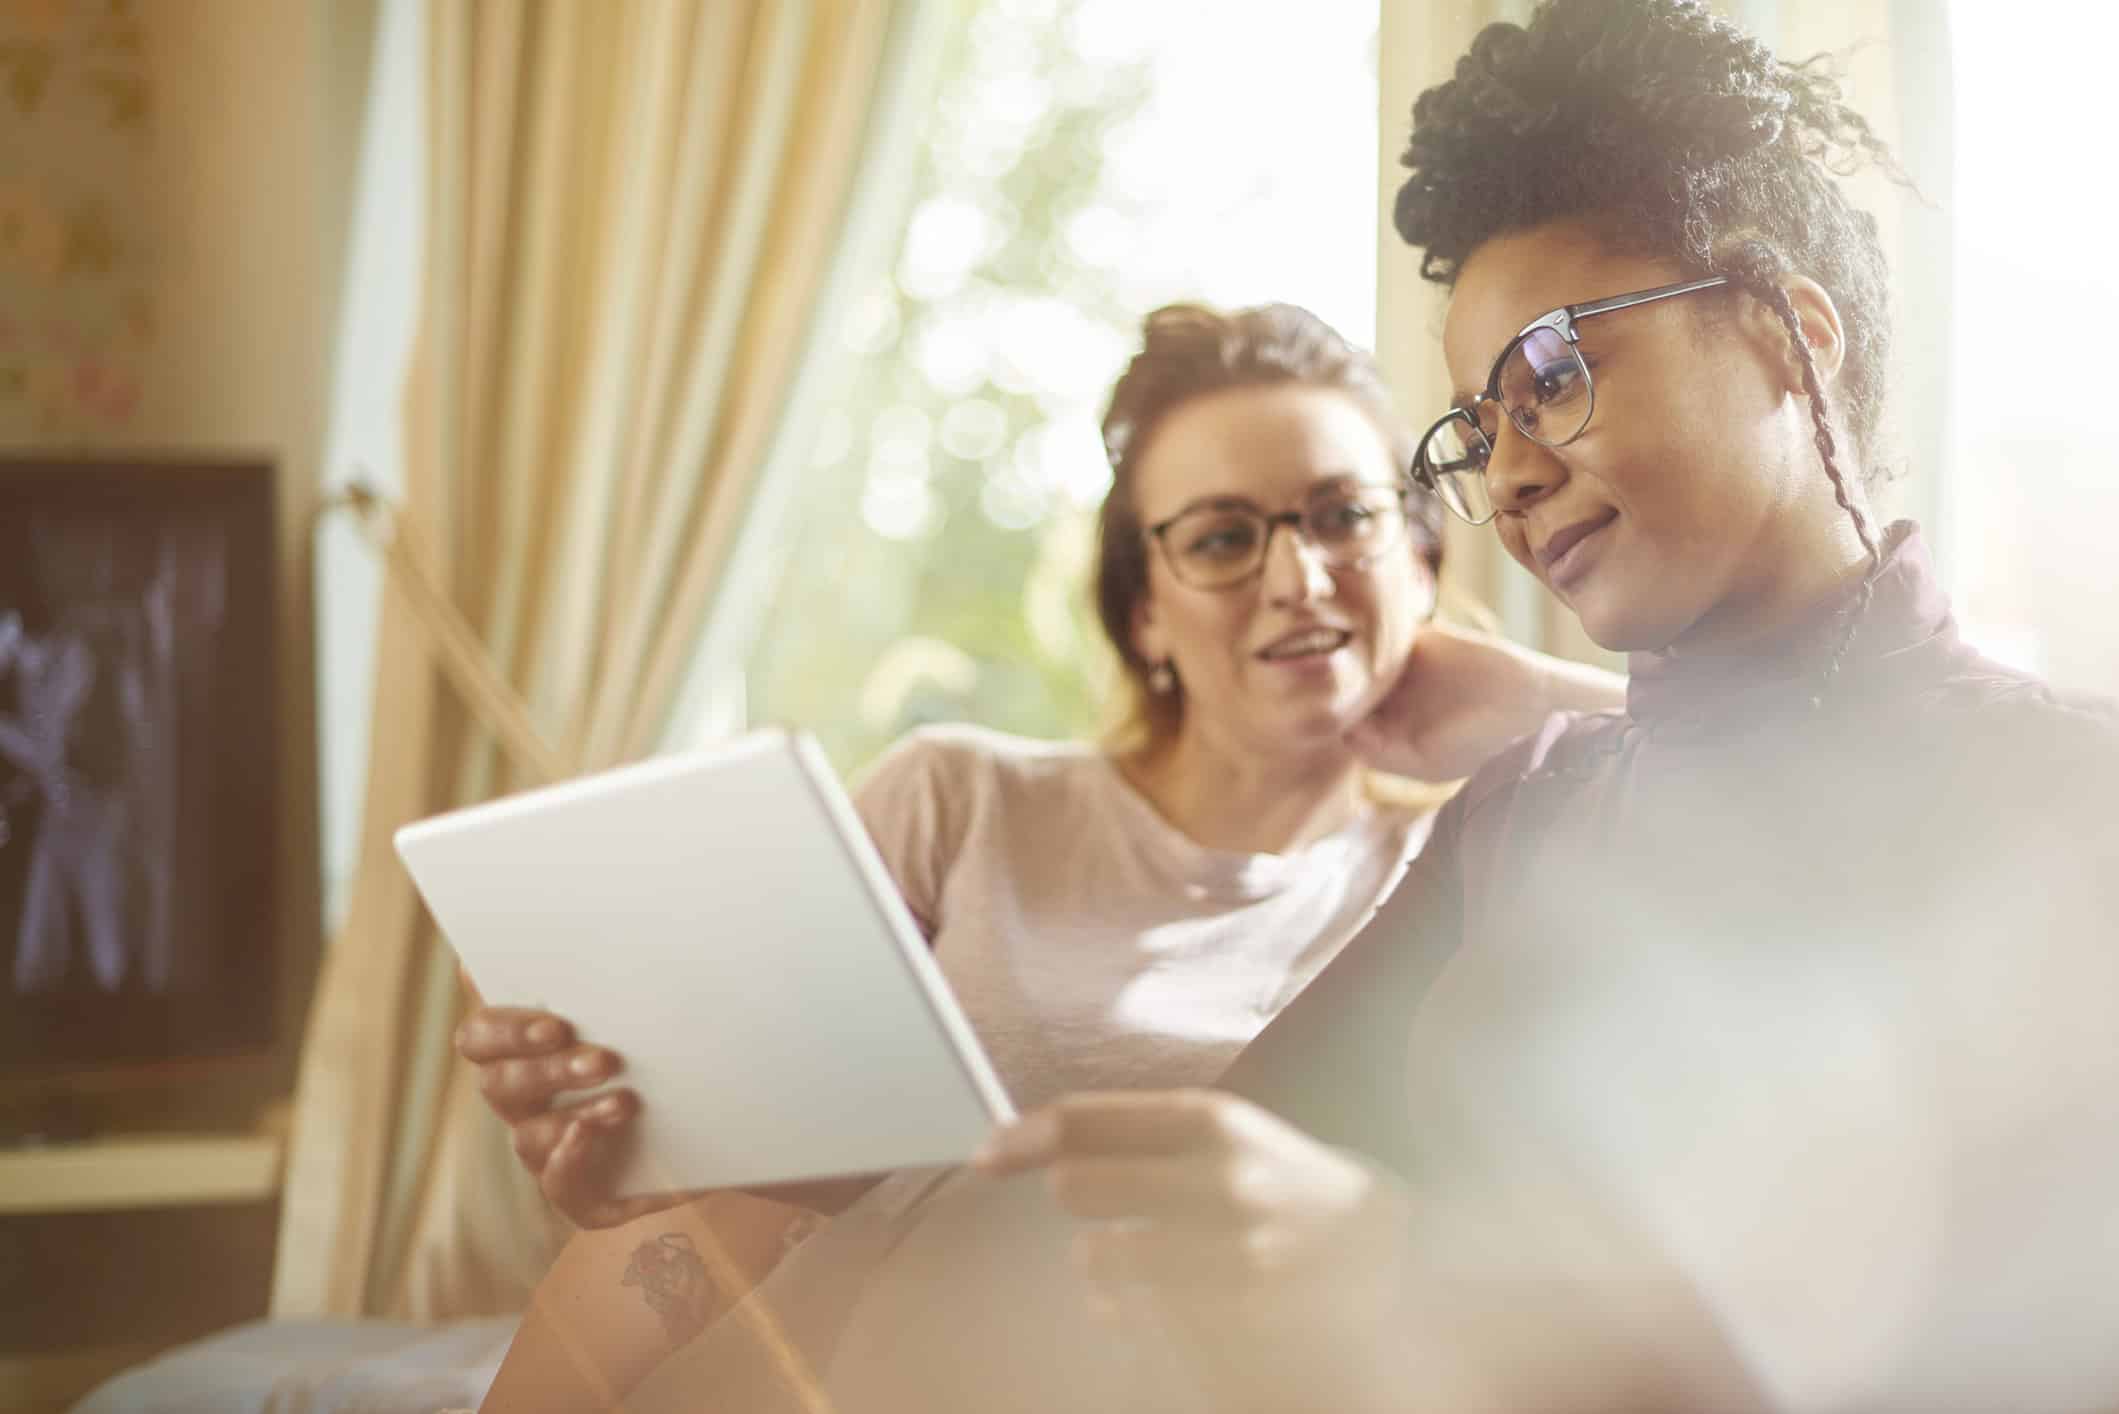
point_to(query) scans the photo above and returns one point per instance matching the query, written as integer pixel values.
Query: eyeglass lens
(1213, 546)
(1544, 386)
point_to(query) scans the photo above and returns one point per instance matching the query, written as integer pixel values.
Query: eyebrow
(1335, 481)
(1463, 402)
(1214, 503)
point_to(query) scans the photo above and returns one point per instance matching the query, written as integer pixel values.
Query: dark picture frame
(138, 771)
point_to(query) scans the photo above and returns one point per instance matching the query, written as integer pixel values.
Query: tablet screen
(722, 921)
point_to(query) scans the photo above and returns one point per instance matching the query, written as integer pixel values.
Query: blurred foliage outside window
(1086, 161)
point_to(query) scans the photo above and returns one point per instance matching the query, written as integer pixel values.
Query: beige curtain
(632, 208)
(1419, 43)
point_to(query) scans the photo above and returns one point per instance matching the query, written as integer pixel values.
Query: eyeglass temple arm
(1605, 306)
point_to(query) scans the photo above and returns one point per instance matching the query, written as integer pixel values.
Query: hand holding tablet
(722, 920)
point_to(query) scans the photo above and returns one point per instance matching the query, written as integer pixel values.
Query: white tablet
(722, 921)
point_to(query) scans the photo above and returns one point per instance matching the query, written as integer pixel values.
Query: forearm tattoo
(672, 1279)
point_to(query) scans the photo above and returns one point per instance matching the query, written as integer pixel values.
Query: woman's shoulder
(963, 749)
(1999, 693)
(942, 791)
(2015, 724)
(969, 762)
(1563, 744)
(1565, 752)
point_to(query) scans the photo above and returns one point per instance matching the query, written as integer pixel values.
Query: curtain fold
(1418, 45)
(632, 209)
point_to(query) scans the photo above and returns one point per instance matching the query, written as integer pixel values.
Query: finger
(518, 1089)
(536, 1137)
(580, 1179)
(1166, 1122)
(575, 1177)
(1225, 1260)
(1033, 1141)
(1116, 1123)
(493, 1033)
(1187, 1190)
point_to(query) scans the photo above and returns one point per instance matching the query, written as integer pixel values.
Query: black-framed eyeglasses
(1221, 544)
(1542, 382)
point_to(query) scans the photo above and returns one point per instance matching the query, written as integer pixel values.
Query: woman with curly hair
(1746, 1048)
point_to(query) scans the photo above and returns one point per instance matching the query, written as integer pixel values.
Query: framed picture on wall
(137, 772)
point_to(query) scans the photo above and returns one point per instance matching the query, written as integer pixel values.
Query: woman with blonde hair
(1120, 915)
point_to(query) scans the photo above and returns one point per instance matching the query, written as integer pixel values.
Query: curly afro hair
(1674, 135)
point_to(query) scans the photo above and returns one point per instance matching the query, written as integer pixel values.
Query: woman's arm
(646, 1273)
(1268, 1265)
(643, 1275)
(619, 1301)
(1465, 695)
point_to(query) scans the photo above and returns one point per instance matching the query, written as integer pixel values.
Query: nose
(1520, 472)
(1295, 571)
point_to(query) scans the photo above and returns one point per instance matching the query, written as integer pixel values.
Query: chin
(1310, 728)
(1620, 627)
(1325, 724)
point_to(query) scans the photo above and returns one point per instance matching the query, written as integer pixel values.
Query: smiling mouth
(1309, 643)
(1563, 557)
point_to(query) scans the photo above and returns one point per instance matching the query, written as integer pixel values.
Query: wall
(76, 273)
(247, 196)
(215, 138)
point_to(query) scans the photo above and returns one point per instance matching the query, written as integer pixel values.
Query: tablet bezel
(455, 852)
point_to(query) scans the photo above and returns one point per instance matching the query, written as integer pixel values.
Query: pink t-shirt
(1092, 944)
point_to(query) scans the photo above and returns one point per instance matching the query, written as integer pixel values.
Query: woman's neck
(1224, 798)
(1810, 582)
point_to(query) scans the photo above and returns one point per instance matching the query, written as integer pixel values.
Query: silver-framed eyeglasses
(1542, 381)
(1221, 543)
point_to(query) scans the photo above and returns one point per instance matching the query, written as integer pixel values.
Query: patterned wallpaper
(76, 276)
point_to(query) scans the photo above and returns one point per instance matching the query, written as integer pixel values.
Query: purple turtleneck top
(1756, 1046)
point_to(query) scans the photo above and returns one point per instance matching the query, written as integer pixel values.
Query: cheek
(1394, 605)
(1516, 543)
(1707, 497)
(1702, 468)
(1203, 629)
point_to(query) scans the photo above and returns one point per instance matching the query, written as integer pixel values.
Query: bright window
(2033, 500)
(1087, 161)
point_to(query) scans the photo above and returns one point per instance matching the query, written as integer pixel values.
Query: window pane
(1088, 160)
(2035, 485)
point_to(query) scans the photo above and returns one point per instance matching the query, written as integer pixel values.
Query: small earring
(1162, 679)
